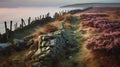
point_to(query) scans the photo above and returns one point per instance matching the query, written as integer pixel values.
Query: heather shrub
(103, 49)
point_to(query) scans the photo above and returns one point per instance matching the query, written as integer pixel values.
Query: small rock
(70, 57)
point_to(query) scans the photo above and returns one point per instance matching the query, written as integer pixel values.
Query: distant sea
(15, 14)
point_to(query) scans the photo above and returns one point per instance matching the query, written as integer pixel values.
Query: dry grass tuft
(50, 28)
(68, 25)
(38, 32)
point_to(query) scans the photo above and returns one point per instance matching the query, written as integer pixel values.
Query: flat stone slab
(4, 45)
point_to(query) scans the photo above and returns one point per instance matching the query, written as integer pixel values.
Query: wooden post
(15, 25)
(48, 15)
(10, 25)
(23, 23)
(21, 26)
(6, 30)
(5, 26)
(29, 19)
(40, 17)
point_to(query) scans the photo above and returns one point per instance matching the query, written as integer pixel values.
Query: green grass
(21, 33)
(75, 53)
(76, 40)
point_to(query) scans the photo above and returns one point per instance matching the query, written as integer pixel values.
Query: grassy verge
(73, 54)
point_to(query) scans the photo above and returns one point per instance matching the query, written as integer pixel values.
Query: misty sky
(38, 3)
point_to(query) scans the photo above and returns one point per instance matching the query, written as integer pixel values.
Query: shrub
(104, 48)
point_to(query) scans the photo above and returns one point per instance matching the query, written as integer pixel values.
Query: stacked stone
(50, 45)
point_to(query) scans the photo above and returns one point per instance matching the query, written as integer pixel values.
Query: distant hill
(94, 5)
